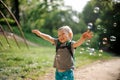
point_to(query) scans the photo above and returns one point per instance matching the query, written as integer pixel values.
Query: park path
(99, 70)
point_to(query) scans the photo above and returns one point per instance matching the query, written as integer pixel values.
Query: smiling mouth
(62, 39)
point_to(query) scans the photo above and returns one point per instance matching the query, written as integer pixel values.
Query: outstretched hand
(87, 35)
(35, 31)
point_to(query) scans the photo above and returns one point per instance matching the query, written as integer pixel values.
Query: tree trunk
(15, 9)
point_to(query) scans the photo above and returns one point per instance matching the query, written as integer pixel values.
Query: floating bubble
(116, 1)
(114, 16)
(114, 24)
(88, 48)
(82, 49)
(105, 40)
(98, 27)
(100, 54)
(101, 50)
(90, 26)
(63, 19)
(29, 1)
(104, 30)
(91, 53)
(81, 52)
(96, 10)
(87, 43)
(112, 38)
(99, 43)
(91, 50)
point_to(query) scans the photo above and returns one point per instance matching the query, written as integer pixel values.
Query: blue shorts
(66, 75)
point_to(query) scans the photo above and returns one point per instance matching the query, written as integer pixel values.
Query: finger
(33, 31)
(88, 30)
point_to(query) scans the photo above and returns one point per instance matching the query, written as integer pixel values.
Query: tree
(15, 8)
(48, 15)
(12, 5)
(106, 22)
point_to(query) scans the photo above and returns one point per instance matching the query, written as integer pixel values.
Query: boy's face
(63, 36)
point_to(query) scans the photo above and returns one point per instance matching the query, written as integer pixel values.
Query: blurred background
(49, 15)
(25, 56)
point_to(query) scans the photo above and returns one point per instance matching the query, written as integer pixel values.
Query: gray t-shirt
(63, 59)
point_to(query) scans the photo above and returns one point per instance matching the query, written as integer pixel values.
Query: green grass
(24, 63)
(83, 57)
(34, 38)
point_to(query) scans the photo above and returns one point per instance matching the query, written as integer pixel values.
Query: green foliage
(94, 42)
(88, 12)
(105, 21)
(48, 17)
(40, 17)
(37, 40)
(3, 21)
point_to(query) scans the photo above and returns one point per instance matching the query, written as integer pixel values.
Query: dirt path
(100, 70)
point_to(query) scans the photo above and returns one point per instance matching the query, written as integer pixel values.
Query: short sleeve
(55, 41)
(72, 42)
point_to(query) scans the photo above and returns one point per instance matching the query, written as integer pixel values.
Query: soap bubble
(98, 27)
(91, 51)
(105, 30)
(116, 1)
(81, 52)
(114, 24)
(96, 10)
(112, 38)
(100, 50)
(90, 26)
(87, 43)
(29, 1)
(105, 40)
(82, 49)
(99, 54)
(63, 19)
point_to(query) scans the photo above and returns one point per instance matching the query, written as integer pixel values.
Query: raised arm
(85, 36)
(44, 36)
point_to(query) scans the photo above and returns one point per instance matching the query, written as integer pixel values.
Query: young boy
(64, 60)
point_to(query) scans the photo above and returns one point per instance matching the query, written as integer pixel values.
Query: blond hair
(67, 29)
